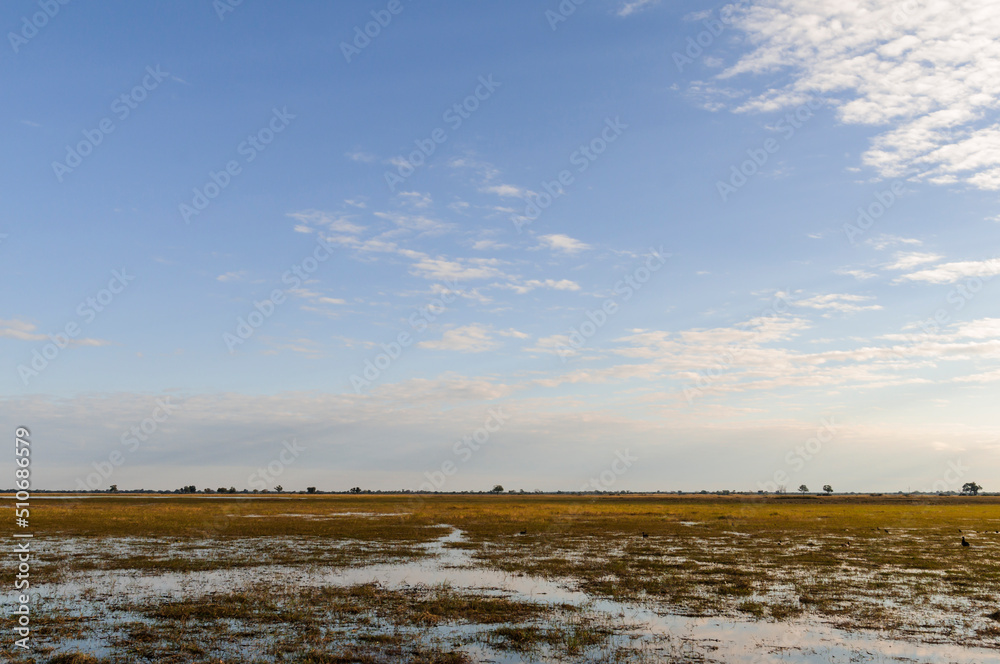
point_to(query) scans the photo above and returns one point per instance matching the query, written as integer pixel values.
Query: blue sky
(662, 304)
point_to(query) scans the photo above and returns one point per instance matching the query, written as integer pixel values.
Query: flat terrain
(385, 578)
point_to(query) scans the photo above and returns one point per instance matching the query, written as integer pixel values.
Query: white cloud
(19, 329)
(318, 218)
(630, 7)
(948, 273)
(840, 302)
(860, 275)
(908, 261)
(441, 269)
(556, 344)
(506, 190)
(418, 223)
(522, 287)
(25, 331)
(925, 73)
(884, 241)
(484, 245)
(473, 338)
(416, 199)
(563, 243)
(364, 157)
(238, 275)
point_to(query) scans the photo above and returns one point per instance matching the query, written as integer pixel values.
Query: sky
(603, 244)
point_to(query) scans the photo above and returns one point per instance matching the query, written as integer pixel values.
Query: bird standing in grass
(964, 543)
(644, 534)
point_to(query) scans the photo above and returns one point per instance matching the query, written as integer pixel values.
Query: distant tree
(222, 489)
(803, 488)
(971, 489)
(113, 488)
(190, 489)
(256, 490)
(355, 489)
(279, 488)
(207, 490)
(497, 488)
(827, 488)
(310, 489)
(232, 489)
(781, 489)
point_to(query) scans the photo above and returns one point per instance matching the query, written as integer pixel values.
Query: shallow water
(639, 627)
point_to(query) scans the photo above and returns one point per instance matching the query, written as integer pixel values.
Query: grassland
(888, 563)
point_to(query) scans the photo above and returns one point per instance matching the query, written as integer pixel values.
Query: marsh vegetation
(382, 578)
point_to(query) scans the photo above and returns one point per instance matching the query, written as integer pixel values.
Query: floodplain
(322, 579)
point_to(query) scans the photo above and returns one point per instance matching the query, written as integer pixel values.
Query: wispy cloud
(562, 243)
(908, 261)
(363, 157)
(839, 302)
(473, 338)
(921, 72)
(634, 6)
(238, 275)
(948, 273)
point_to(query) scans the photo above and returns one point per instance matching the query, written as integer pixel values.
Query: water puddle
(640, 629)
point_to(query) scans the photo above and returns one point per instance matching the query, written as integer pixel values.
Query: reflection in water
(723, 639)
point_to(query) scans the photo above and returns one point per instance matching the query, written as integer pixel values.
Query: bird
(886, 530)
(964, 543)
(644, 534)
(524, 532)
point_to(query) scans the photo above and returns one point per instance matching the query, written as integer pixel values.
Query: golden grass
(853, 561)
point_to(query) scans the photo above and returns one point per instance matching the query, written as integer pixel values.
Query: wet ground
(419, 607)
